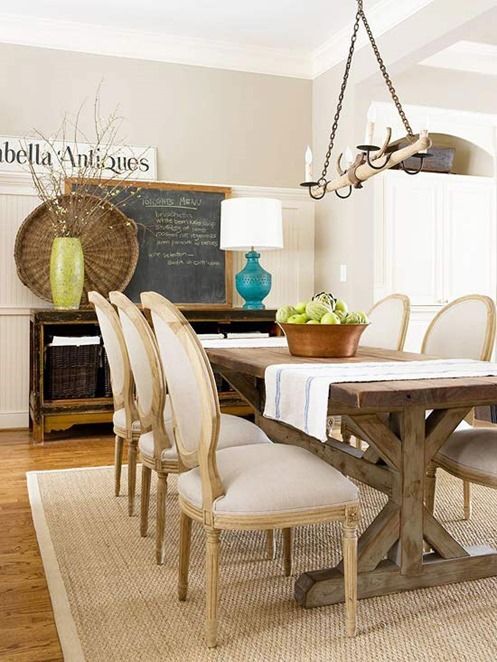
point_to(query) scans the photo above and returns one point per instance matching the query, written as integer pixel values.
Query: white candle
(308, 165)
(348, 157)
(368, 137)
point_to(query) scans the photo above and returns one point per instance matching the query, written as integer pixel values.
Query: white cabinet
(435, 236)
(470, 242)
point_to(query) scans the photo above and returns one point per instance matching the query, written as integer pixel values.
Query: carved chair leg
(185, 534)
(212, 572)
(161, 517)
(430, 487)
(287, 552)
(270, 544)
(467, 499)
(118, 462)
(145, 499)
(350, 572)
(132, 457)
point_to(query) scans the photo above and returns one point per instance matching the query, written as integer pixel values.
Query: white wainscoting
(292, 270)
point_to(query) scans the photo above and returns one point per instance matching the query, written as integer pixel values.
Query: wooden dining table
(405, 423)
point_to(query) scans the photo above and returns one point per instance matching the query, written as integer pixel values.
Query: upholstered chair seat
(119, 421)
(234, 431)
(247, 486)
(153, 405)
(465, 328)
(471, 454)
(119, 418)
(126, 424)
(271, 479)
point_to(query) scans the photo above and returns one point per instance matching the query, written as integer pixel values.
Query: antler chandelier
(371, 159)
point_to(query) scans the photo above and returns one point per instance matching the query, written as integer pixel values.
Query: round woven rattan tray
(109, 242)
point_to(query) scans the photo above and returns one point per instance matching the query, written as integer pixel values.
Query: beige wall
(209, 125)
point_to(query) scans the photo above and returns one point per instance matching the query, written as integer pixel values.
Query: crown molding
(383, 16)
(155, 46)
(472, 56)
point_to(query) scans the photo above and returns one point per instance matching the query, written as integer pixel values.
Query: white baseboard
(14, 419)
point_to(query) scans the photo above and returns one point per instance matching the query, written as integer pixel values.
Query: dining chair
(464, 328)
(265, 486)
(125, 417)
(156, 442)
(389, 321)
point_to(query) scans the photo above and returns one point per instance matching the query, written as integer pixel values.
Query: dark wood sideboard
(48, 414)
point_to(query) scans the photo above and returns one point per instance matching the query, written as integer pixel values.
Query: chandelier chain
(342, 93)
(384, 72)
(360, 15)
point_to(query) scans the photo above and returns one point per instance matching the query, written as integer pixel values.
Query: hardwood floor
(27, 628)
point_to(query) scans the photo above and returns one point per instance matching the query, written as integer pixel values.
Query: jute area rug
(112, 602)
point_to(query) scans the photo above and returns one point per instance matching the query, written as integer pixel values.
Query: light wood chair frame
(453, 468)
(151, 420)
(346, 431)
(204, 457)
(123, 398)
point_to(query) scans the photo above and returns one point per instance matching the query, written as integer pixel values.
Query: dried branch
(94, 187)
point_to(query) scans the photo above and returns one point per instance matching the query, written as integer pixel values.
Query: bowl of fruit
(322, 327)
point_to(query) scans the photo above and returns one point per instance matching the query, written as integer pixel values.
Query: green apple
(341, 306)
(363, 317)
(313, 322)
(297, 319)
(330, 318)
(301, 306)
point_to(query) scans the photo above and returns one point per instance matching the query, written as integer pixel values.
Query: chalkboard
(178, 232)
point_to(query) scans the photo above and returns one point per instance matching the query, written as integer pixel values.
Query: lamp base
(253, 283)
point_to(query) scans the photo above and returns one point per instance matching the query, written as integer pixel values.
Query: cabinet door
(413, 227)
(470, 246)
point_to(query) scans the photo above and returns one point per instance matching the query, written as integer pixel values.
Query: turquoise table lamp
(252, 224)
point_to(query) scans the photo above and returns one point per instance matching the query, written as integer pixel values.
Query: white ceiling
(473, 56)
(286, 24)
(282, 37)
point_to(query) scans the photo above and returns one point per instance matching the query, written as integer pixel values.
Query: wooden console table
(47, 415)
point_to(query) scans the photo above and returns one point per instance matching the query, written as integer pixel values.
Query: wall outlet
(343, 273)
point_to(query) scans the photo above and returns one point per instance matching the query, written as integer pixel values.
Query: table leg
(412, 479)
(390, 551)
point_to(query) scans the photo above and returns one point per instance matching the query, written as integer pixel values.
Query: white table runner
(233, 343)
(297, 394)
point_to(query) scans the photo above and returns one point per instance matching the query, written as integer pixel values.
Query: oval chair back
(117, 356)
(389, 322)
(192, 391)
(146, 369)
(463, 329)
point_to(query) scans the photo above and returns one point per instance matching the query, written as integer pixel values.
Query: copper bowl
(323, 340)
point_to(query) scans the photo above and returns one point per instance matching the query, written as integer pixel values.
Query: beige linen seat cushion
(119, 418)
(119, 421)
(473, 450)
(234, 431)
(271, 478)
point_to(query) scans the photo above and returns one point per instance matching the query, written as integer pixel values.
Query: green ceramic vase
(67, 272)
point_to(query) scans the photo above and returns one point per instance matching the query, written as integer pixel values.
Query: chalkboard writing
(178, 232)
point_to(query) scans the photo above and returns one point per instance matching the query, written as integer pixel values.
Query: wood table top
(428, 393)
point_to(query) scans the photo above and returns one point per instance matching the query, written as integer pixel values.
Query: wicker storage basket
(71, 371)
(107, 386)
(109, 242)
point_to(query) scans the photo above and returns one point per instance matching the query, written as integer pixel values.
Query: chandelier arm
(342, 91)
(384, 72)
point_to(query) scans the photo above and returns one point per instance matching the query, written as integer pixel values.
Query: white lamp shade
(251, 222)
